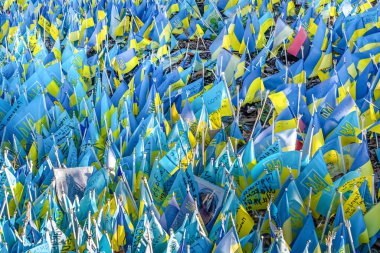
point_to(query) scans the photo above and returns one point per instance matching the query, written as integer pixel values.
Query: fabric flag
(121, 234)
(140, 240)
(252, 84)
(236, 32)
(248, 157)
(314, 175)
(170, 213)
(221, 42)
(301, 40)
(314, 139)
(373, 224)
(284, 121)
(249, 41)
(348, 129)
(125, 62)
(307, 234)
(229, 243)
(352, 203)
(188, 206)
(359, 229)
(244, 222)
(173, 245)
(281, 33)
(226, 63)
(284, 218)
(346, 106)
(363, 161)
(258, 194)
(160, 237)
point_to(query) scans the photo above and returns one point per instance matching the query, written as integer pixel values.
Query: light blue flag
(258, 194)
(139, 242)
(211, 98)
(307, 233)
(314, 175)
(160, 237)
(188, 207)
(173, 245)
(170, 213)
(98, 181)
(43, 247)
(259, 248)
(171, 162)
(229, 243)
(87, 204)
(281, 160)
(105, 244)
(9, 235)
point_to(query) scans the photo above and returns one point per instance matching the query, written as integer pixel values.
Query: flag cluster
(124, 126)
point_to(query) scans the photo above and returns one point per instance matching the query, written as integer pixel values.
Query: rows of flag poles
(142, 104)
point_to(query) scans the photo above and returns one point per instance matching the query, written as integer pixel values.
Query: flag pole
(228, 94)
(374, 61)
(195, 154)
(274, 124)
(237, 114)
(310, 142)
(6, 201)
(203, 148)
(307, 246)
(3, 207)
(285, 54)
(201, 18)
(149, 239)
(347, 223)
(268, 210)
(148, 189)
(73, 226)
(309, 201)
(196, 51)
(341, 155)
(96, 232)
(14, 197)
(327, 218)
(279, 178)
(259, 115)
(374, 199)
(267, 117)
(247, 50)
(329, 240)
(124, 179)
(298, 105)
(170, 105)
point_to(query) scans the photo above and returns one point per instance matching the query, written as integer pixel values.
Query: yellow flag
(244, 222)
(372, 220)
(352, 203)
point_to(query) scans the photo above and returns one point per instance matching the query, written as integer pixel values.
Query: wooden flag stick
(374, 199)
(285, 54)
(124, 179)
(309, 201)
(148, 189)
(260, 113)
(348, 226)
(228, 94)
(6, 201)
(267, 117)
(327, 218)
(341, 154)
